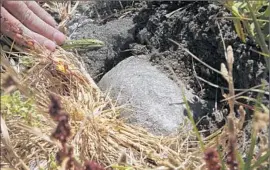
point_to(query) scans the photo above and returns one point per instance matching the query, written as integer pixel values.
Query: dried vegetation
(53, 116)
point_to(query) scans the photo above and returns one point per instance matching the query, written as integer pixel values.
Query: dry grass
(98, 133)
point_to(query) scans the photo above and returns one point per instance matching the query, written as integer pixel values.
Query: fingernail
(55, 24)
(59, 38)
(50, 45)
(52, 22)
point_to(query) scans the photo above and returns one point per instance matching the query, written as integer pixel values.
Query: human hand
(33, 21)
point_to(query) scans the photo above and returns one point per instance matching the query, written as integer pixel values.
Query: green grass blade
(261, 53)
(190, 116)
(261, 160)
(261, 39)
(253, 135)
(223, 167)
(83, 43)
(251, 151)
(240, 160)
(245, 19)
(239, 29)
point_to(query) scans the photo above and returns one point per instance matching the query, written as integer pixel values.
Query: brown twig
(227, 75)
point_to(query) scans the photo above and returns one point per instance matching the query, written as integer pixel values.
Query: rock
(153, 100)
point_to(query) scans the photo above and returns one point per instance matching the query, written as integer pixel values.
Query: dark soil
(194, 25)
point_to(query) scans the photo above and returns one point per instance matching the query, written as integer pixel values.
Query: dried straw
(98, 132)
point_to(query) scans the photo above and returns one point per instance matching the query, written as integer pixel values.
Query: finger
(12, 28)
(20, 10)
(41, 13)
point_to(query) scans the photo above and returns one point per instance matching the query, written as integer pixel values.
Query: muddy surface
(135, 28)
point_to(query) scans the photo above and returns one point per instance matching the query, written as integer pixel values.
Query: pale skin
(33, 21)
